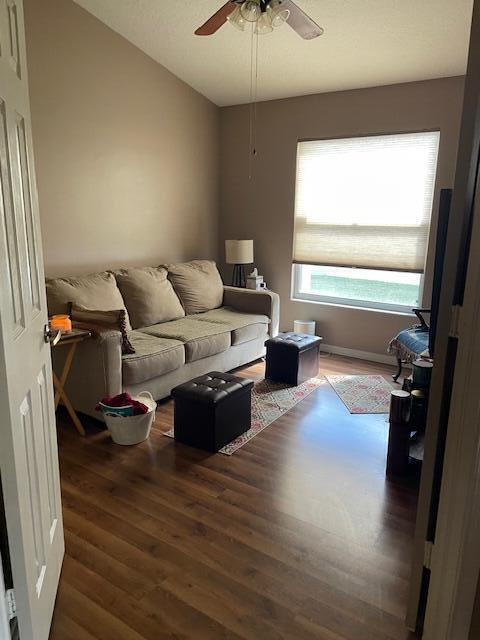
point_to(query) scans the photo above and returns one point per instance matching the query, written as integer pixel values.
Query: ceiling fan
(267, 14)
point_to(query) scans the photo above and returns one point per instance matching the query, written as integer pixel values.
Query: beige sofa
(182, 322)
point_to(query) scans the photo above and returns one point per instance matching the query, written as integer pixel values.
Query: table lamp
(239, 253)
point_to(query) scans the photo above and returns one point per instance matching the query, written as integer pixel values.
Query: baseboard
(361, 355)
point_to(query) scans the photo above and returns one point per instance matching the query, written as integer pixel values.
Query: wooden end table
(70, 339)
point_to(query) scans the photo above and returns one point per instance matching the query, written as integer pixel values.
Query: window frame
(369, 305)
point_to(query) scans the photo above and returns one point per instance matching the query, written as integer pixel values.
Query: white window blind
(365, 202)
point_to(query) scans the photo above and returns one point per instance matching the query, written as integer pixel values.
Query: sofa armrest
(104, 350)
(249, 301)
(107, 350)
(96, 370)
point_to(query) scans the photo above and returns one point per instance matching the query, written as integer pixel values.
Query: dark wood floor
(297, 535)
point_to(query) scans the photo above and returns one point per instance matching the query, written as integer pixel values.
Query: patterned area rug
(270, 400)
(362, 394)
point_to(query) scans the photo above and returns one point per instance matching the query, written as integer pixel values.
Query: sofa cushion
(201, 339)
(198, 285)
(94, 291)
(153, 357)
(148, 295)
(244, 326)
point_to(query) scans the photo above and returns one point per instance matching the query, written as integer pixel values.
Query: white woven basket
(128, 430)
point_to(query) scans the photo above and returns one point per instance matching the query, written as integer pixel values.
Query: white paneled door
(28, 446)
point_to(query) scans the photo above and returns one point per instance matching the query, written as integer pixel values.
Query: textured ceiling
(366, 43)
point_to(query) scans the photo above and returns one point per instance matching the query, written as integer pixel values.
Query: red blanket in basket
(124, 400)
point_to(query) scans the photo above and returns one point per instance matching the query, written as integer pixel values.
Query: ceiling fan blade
(217, 20)
(301, 23)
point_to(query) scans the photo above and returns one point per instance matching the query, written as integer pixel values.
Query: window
(390, 290)
(362, 218)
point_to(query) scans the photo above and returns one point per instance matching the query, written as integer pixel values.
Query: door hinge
(455, 321)
(11, 604)
(427, 554)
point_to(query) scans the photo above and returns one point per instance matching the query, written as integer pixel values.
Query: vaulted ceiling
(366, 43)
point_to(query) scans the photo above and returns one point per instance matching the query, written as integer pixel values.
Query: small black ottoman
(212, 410)
(292, 358)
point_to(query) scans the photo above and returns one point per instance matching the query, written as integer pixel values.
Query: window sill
(391, 312)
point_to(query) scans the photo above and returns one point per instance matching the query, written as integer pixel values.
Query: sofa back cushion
(95, 291)
(198, 285)
(149, 296)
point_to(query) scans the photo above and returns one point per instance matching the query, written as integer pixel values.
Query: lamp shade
(237, 20)
(239, 251)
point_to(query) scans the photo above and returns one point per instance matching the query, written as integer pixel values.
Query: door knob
(51, 336)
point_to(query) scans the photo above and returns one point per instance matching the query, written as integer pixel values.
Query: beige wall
(126, 154)
(263, 207)
(127, 161)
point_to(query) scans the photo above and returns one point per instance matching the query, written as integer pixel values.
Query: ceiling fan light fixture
(237, 20)
(278, 12)
(251, 10)
(264, 24)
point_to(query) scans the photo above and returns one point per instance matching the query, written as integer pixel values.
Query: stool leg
(398, 372)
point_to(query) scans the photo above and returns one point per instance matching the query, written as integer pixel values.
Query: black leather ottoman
(212, 410)
(292, 358)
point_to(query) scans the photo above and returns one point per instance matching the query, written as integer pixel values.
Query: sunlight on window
(362, 218)
(380, 181)
(365, 202)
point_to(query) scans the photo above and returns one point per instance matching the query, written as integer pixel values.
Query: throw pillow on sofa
(148, 295)
(198, 285)
(95, 319)
(95, 291)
